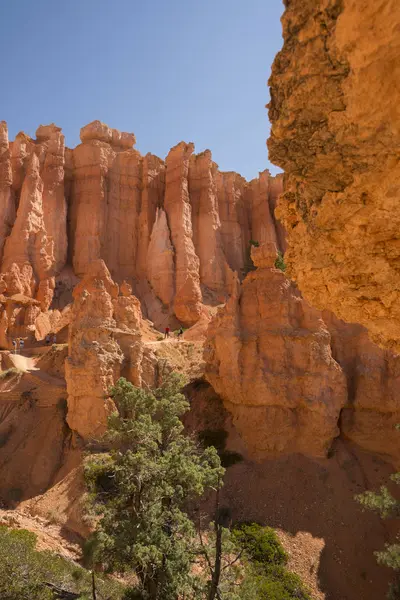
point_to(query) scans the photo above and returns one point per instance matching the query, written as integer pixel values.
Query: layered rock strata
(335, 131)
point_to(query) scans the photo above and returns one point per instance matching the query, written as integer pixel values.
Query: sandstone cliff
(335, 131)
(176, 230)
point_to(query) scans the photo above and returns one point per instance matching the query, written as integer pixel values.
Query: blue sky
(193, 70)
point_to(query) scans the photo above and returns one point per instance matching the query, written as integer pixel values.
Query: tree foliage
(142, 488)
(25, 572)
(386, 506)
(280, 262)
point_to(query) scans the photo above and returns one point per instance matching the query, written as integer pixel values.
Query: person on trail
(54, 338)
(21, 344)
(180, 332)
(48, 339)
(166, 333)
(14, 343)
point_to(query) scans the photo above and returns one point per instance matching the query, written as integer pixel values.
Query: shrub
(266, 575)
(280, 262)
(10, 372)
(261, 545)
(24, 571)
(277, 584)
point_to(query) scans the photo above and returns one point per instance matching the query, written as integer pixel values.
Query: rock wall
(176, 230)
(294, 378)
(335, 131)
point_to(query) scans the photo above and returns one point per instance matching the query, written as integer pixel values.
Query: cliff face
(96, 235)
(335, 131)
(175, 230)
(294, 378)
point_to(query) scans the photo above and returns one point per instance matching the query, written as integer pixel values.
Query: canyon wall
(335, 131)
(96, 236)
(175, 230)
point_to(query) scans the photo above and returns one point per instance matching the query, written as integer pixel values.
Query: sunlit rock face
(176, 230)
(335, 131)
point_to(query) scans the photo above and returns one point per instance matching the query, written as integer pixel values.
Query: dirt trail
(24, 363)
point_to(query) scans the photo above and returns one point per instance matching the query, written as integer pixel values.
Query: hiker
(14, 343)
(180, 332)
(166, 335)
(54, 338)
(21, 344)
(48, 339)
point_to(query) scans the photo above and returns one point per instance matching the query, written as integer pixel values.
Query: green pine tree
(142, 486)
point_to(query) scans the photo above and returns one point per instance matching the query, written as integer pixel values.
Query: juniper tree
(142, 487)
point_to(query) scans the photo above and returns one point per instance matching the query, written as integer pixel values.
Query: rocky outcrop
(105, 200)
(176, 230)
(335, 113)
(268, 355)
(105, 342)
(7, 202)
(294, 378)
(94, 357)
(234, 216)
(372, 409)
(187, 301)
(160, 259)
(215, 273)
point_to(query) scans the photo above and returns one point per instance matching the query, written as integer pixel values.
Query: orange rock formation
(268, 355)
(104, 334)
(175, 230)
(294, 378)
(335, 131)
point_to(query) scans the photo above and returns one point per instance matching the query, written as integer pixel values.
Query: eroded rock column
(215, 272)
(7, 203)
(268, 355)
(187, 302)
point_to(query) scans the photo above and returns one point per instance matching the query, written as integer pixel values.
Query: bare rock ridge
(335, 131)
(175, 230)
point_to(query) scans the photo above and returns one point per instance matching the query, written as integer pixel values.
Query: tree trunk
(217, 565)
(94, 595)
(216, 573)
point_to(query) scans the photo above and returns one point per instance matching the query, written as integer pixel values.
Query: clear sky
(171, 70)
